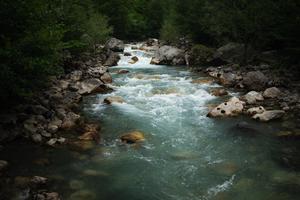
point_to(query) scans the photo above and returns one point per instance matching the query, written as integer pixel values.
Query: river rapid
(186, 155)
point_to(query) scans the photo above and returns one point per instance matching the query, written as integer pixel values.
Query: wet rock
(228, 79)
(91, 135)
(106, 78)
(82, 195)
(231, 108)
(255, 80)
(88, 86)
(272, 92)
(154, 61)
(113, 99)
(269, 115)
(123, 71)
(255, 110)
(133, 137)
(54, 125)
(203, 81)
(115, 44)
(52, 141)
(112, 59)
(3, 165)
(70, 121)
(127, 54)
(169, 55)
(219, 92)
(252, 97)
(134, 60)
(38, 180)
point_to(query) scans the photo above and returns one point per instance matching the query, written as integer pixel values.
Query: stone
(96, 72)
(255, 110)
(115, 44)
(112, 59)
(123, 71)
(233, 107)
(113, 99)
(38, 180)
(36, 138)
(106, 78)
(255, 80)
(269, 115)
(134, 60)
(47, 196)
(70, 121)
(272, 92)
(219, 92)
(127, 54)
(133, 137)
(3, 165)
(88, 86)
(52, 141)
(75, 76)
(228, 79)
(169, 55)
(252, 97)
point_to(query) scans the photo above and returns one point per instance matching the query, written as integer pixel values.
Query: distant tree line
(35, 33)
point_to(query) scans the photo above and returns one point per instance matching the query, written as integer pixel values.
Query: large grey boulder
(255, 80)
(115, 45)
(88, 86)
(233, 107)
(169, 55)
(252, 97)
(272, 92)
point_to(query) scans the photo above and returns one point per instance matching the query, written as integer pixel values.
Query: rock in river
(113, 99)
(133, 137)
(115, 44)
(272, 92)
(256, 110)
(269, 115)
(255, 80)
(252, 97)
(231, 108)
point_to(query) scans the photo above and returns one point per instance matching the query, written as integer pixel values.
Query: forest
(36, 34)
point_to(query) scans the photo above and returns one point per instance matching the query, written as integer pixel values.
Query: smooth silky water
(186, 155)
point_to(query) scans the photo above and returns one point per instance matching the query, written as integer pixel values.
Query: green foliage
(200, 54)
(169, 31)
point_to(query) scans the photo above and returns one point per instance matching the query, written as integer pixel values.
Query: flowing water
(186, 155)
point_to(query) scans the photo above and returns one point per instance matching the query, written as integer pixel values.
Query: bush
(200, 54)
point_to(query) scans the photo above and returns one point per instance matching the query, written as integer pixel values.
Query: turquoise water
(186, 155)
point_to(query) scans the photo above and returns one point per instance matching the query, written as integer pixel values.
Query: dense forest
(36, 35)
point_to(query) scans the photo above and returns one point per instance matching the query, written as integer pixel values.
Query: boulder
(106, 78)
(269, 115)
(255, 80)
(219, 92)
(272, 92)
(127, 54)
(112, 60)
(91, 132)
(47, 196)
(88, 86)
(232, 53)
(133, 137)
(115, 45)
(228, 79)
(134, 60)
(113, 99)
(169, 55)
(123, 71)
(96, 72)
(255, 110)
(152, 42)
(36, 138)
(233, 107)
(252, 97)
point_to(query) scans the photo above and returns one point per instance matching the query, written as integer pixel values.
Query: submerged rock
(123, 71)
(133, 137)
(231, 108)
(269, 115)
(113, 99)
